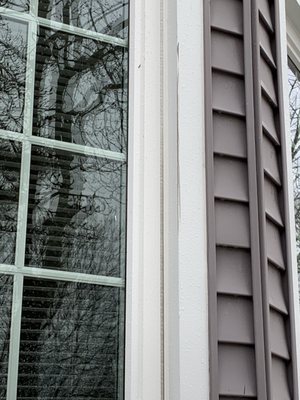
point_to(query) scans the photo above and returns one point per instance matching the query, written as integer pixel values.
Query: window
(294, 107)
(63, 144)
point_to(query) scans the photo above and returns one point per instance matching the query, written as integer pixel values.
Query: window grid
(19, 271)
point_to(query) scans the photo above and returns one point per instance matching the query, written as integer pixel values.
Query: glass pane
(12, 73)
(18, 5)
(6, 289)
(71, 346)
(76, 216)
(294, 96)
(80, 91)
(10, 165)
(109, 17)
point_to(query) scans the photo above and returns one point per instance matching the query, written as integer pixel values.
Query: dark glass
(81, 91)
(18, 5)
(76, 218)
(10, 165)
(71, 341)
(109, 17)
(6, 289)
(13, 48)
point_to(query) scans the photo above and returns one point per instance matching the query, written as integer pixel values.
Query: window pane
(18, 5)
(80, 91)
(6, 289)
(294, 95)
(109, 17)
(76, 216)
(10, 165)
(12, 73)
(70, 341)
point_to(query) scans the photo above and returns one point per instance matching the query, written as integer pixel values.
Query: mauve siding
(252, 338)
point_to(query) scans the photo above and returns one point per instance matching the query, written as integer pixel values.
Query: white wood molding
(143, 365)
(192, 221)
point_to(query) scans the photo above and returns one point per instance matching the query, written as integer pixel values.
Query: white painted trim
(192, 239)
(283, 38)
(170, 200)
(143, 300)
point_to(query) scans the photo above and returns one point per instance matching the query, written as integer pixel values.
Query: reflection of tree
(294, 95)
(10, 154)
(103, 16)
(18, 5)
(78, 343)
(76, 220)
(6, 283)
(81, 93)
(12, 74)
(75, 215)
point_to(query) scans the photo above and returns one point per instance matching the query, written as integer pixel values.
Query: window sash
(19, 270)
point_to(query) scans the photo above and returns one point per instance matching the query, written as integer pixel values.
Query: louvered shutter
(252, 342)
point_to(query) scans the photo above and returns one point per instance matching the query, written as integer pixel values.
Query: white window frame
(167, 355)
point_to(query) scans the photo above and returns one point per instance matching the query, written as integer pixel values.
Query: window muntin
(80, 284)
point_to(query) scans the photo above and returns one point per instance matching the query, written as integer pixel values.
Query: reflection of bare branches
(76, 353)
(18, 5)
(81, 86)
(104, 16)
(12, 74)
(294, 96)
(76, 224)
(10, 154)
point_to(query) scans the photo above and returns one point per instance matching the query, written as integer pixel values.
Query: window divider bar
(67, 276)
(15, 335)
(55, 144)
(16, 315)
(34, 7)
(74, 30)
(77, 148)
